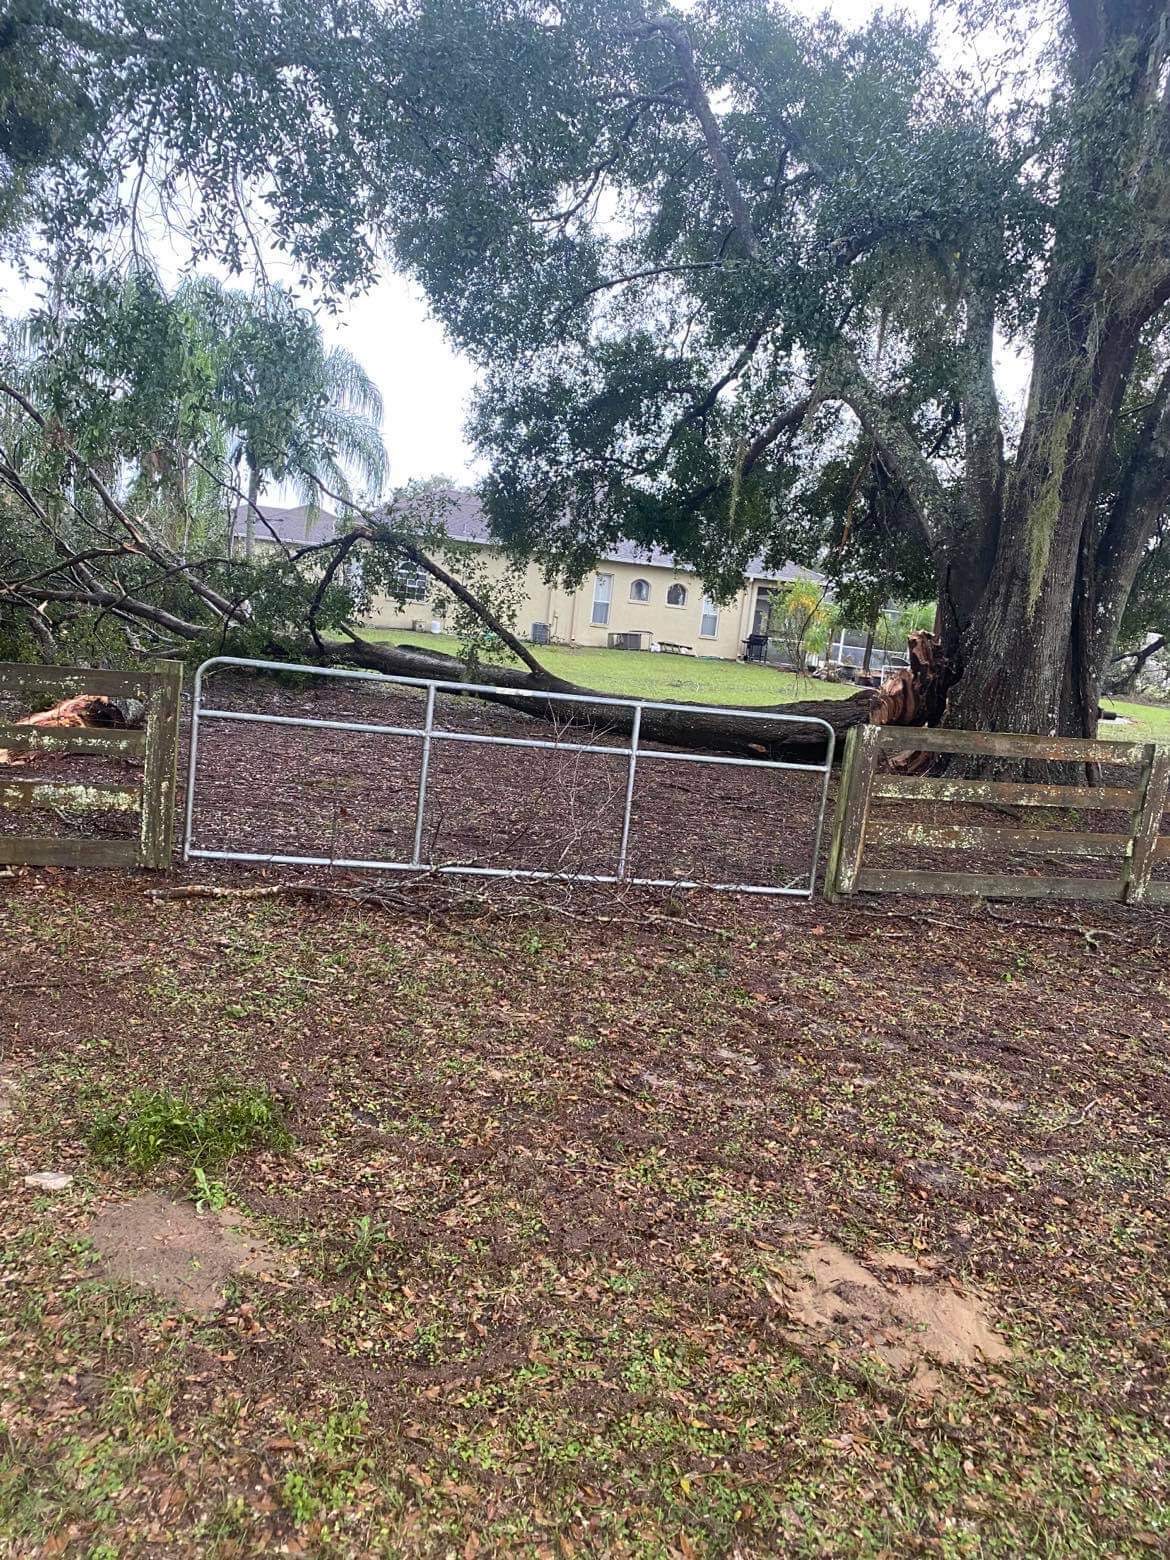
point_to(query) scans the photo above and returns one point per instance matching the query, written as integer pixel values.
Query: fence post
(1147, 821)
(158, 778)
(857, 771)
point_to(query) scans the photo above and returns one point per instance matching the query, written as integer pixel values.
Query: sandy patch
(183, 1256)
(893, 1306)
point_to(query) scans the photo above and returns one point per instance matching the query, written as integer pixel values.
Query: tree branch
(121, 603)
(460, 591)
(140, 534)
(843, 379)
(700, 105)
(379, 530)
(1142, 496)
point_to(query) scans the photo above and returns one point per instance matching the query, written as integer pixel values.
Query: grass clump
(154, 1125)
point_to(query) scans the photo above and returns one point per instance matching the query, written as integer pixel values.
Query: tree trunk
(250, 513)
(750, 735)
(867, 657)
(1033, 655)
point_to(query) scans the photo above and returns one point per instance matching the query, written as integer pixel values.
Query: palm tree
(172, 391)
(302, 413)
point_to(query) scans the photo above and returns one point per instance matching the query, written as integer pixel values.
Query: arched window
(640, 590)
(676, 596)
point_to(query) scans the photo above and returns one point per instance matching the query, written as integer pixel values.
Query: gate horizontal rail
(1133, 852)
(428, 733)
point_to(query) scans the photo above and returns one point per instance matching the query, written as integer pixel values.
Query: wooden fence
(155, 747)
(1131, 852)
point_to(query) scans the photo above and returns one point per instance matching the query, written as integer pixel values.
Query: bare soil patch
(900, 1310)
(183, 1256)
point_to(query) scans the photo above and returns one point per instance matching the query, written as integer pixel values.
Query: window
(676, 596)
(602, 596)
(410, 582)
(709, 621)
(763, 613)
(640, 590)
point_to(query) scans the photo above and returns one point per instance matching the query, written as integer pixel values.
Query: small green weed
(210, 1196)
(154, 1126)
(366, 1248)
(331, 1466)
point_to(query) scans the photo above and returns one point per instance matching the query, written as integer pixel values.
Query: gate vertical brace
(830, 749)
(1147, 821)
(635, 732)
(424, 770)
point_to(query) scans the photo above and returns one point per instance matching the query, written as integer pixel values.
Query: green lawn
(1143, 722)
(695, 679)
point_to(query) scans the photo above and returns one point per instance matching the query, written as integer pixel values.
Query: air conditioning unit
(418, 626)
(541, 634)
(625, 641)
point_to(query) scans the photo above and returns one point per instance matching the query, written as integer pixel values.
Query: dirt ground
(562, 1166)
(611, 1222)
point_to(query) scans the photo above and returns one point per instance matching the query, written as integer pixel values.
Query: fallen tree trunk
(909, 697)
(211, 616)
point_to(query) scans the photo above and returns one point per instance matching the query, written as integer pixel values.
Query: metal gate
(429, 733)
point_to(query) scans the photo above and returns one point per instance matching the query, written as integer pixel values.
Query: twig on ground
(307, 891)
(1077, 1121)
(1071, 927)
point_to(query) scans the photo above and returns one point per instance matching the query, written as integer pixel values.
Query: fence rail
(1132, 851)
(155, 747)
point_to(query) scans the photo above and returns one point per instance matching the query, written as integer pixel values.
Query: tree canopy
(736, 279)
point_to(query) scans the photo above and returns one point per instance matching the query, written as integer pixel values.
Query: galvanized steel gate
(429, 733)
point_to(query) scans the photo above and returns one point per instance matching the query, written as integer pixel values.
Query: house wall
(570, 614)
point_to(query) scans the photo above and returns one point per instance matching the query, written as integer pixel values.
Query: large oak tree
(736, 280)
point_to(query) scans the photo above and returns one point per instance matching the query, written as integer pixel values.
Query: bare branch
(121, 603)
(843, 379)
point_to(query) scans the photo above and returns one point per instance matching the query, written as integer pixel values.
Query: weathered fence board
(989, 885)
(1147, 821)
(856, 786)
(39, 851)
(155, 748)
(1008, 744)
(85, 796)
(109, 740)
(1132, 854)
(1011, 793)
(972, 836)
(69, 682)
(158, 780)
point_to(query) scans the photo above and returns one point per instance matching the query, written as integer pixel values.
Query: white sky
(427, 386)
